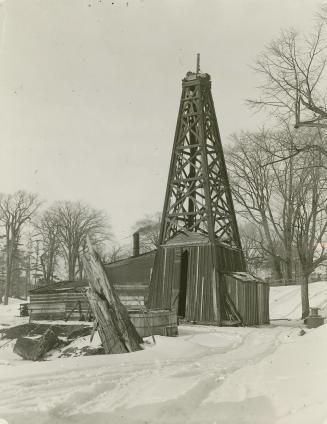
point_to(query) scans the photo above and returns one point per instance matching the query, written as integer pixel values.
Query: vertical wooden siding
(263, 303)
(160, 292)
(165, 282)
(200, 297)
(251, 299)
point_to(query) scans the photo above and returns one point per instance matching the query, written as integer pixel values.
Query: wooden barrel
(155, 321)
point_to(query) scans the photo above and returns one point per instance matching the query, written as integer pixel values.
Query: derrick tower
(199, 239)
(198, 197)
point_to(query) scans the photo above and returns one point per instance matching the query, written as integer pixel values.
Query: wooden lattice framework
(198, 197)
(199, 240)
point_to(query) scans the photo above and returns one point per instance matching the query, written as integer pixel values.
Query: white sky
(89, 90)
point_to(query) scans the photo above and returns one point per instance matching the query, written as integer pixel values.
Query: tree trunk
(80, 268)
(275, 260)
(43, 261)
(6, 295)
(305, 296)
(276, 268)
(289, 269)
(71, 268)
(9, 270)
(51, 266)
(117, 333)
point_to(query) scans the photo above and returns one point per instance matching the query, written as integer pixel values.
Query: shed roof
(185, 237)
(130, 259)
(245, 277)
(61, 286)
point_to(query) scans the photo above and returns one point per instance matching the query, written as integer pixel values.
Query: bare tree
(149, 229)
(292, 68)
(15, 211)
(255, 256)
(115, 254)
(264, 194)
(75, 222)
(285, 200)
(47, 232)
(311, 224)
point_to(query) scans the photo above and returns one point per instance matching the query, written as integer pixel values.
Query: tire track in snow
(129, 387)
(209, 373)
(189, 406)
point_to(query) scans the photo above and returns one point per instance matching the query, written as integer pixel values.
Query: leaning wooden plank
(109, 333)
(117, 333)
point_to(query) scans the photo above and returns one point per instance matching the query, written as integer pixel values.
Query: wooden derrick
(198, 216)
(117, 333)
(198, 196)
(199, 240)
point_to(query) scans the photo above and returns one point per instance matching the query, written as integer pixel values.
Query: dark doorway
(183, 285)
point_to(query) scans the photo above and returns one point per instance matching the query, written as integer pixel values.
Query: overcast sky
(89, 90)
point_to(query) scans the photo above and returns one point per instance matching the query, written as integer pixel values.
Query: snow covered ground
(9, 315)
(285, 302)
(206, 375)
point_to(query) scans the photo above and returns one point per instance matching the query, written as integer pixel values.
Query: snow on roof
(61, 286)
(246, 277)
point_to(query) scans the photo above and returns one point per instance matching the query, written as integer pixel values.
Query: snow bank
(285, 302)
(291, 383)
(9, 314)
(170, 382)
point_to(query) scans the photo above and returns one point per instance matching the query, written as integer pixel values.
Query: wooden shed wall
(251, 299)
(200, 291)
(131, 279)
(134, 270)
(58, 305)
(162, 280)
(263, 303)
(133, 296)
(165, 282)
